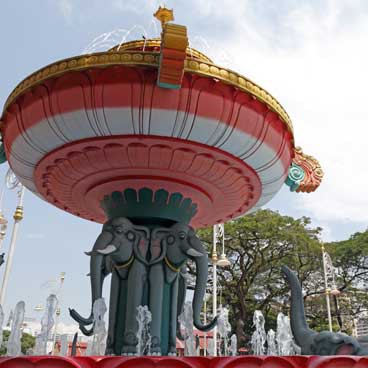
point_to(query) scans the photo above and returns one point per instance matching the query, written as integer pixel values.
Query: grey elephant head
(311, 342)
(181, 244)
(114, 245)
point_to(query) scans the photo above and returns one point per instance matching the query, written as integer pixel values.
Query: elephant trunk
(299, 326)
(96, 275)
(199, 293)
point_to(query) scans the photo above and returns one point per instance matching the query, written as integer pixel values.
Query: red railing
(186, 362)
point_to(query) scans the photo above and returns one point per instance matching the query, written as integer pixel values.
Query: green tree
(350, 257)
(27, 342)
(257, 246)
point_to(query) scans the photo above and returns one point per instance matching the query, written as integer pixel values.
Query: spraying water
(64, 345)
(233, 345)
(99, 329)
(144, 319)
(284, 336)
(224, 328)
(47, 322)
(271, 343)
(117, 37)
(210, 347)
(14, 345)
(186, 320)
(259, 335)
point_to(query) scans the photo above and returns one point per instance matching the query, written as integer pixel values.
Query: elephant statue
(148, 267)
(120, 249)
(311, 342)
(168, 285)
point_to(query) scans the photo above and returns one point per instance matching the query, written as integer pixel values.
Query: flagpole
(18, 216)
(214, 282)
(327, 289)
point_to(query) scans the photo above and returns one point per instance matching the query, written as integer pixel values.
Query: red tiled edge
(186, 362)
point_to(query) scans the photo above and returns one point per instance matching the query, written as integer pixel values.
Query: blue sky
(310, 54)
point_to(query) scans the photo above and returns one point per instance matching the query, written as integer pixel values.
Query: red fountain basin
(187, 362)
(82, 133)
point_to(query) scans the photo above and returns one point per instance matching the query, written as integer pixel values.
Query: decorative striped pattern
(122, 101)
(246, 361)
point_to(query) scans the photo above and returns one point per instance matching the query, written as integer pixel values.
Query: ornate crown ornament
(145, 203)
(305, 173)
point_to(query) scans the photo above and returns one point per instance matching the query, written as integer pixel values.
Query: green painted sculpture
(147, 265)
(311, 342)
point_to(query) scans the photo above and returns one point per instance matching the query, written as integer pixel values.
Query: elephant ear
(144, 231)
(159, 244)
(140, 241)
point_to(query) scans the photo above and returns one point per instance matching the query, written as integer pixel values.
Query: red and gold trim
(174, 42)
(125, 101)
(312, 170)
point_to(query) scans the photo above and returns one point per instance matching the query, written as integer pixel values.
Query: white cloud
(314, 61)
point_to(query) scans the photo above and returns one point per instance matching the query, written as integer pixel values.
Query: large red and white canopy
(75, 138)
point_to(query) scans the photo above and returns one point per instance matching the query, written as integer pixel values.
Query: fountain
(151, 139)
(284, 336)
(89, 347)
(211, 347)
(233, 345)
(64, 345)
(259, 335)
(14, 345)
(223, 329)
(99, 329)
(144, 318)
(271, 343)
(47, 323)
(186, 321)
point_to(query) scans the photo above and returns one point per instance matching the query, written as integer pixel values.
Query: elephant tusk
(194, 253)
(108, 250)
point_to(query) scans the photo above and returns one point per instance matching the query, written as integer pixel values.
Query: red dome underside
(77, 176)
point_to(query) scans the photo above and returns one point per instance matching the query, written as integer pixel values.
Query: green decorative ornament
(295, 177)
(145, 206)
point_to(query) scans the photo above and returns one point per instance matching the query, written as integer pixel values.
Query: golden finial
(164, 15)
(214, 257)
(18, 214)
(3, 220)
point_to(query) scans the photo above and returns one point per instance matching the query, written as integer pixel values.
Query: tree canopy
(258, 244)
(27, 342)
